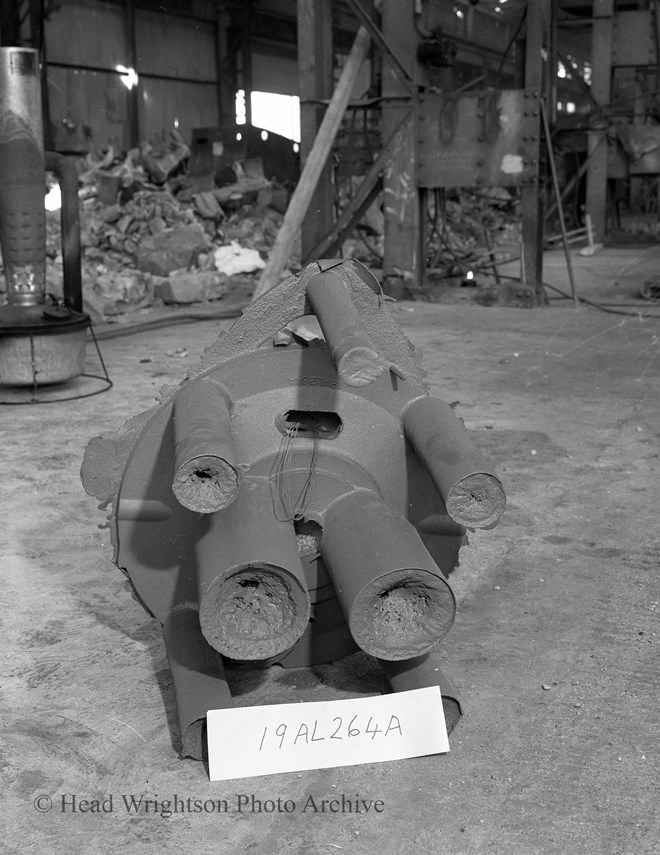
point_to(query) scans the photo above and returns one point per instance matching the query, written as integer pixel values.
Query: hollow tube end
(206, 484)
(255, 612)
(402, 614)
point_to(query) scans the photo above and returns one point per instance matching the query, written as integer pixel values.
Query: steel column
(538, 19)
(134, 130)
(401, 263)
(315, 77)
(226, 71)
(364, 195)
(601, 74)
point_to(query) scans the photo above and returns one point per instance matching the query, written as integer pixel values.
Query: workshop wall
(177, 68)
(190, 56)
(86, 44)
(87, 100)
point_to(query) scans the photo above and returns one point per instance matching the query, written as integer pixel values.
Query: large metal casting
(293, 501)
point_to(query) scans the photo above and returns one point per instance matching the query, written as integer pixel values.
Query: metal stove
(42, 338)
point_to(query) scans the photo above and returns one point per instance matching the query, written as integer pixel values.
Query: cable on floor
(233, 311)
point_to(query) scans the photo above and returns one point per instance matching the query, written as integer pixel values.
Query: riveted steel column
(601, 86)
(401, 262)
(538, 21)
(315, 80)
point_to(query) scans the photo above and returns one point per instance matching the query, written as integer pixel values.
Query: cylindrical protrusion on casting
(351, 348)
(198, 675)
(396, 601)
(251, 585)
(22, 177)
(472, 492)
(420, 673)
(205, 474)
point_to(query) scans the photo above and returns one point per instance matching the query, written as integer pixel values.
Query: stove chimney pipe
(22, 182)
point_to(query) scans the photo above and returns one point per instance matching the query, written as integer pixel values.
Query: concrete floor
(554, 650)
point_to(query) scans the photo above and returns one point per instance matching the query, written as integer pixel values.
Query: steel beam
(315, 77)
(363, 197)
(389, 50)
(226, 71)
(401, 263)
(538, 21)
(601, 77)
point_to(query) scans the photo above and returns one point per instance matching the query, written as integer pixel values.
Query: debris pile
(468, 233)
(147, 238)
(153, 235)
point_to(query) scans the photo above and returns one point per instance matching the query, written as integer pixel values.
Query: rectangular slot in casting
(312, 423)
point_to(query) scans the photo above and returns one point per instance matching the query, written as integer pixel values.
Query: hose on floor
(233, 311)
(602, 307)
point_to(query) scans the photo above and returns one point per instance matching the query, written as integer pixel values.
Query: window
(279, 114)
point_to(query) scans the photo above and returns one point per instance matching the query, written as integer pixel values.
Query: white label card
(264, 740)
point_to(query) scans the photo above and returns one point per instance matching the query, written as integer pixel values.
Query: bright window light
(54, 198)
(277, 114)
(129, 76)
(241, 115)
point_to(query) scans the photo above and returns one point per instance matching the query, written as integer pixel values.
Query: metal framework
(433, 136)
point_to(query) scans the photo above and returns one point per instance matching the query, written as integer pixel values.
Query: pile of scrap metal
(115, 178)
(134, 248)
(297, 497)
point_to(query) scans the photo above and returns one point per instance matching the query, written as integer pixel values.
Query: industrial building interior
(319, 385)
